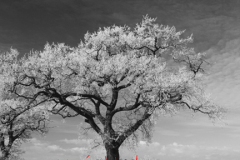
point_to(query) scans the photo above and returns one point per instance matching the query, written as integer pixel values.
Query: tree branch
(94, 125)
(86, 96)
(195, 109)
(98, 113)
(133, 128)
(128, 108)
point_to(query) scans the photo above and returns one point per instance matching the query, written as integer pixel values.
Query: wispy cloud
(223, 80)
(77, 141)
(55, 148)
(48, 150)
(185, 151)
(36, 22)
(87, 143)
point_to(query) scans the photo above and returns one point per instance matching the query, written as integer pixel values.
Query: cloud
(78, 150)
(166, 132)
(223, 80)
(55, 148)
(77, 141)
(87, 143)
(144, 143)
(37, 142)
(184, 151)
(48, 150)
(154, 150)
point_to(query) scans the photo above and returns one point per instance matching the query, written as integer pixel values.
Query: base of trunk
(112, 153)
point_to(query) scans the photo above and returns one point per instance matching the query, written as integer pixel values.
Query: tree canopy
(18, 117)
(118, 79)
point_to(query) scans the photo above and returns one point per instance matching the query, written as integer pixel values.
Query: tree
(119, 80)
(18, 117)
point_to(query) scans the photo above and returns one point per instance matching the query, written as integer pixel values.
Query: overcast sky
(29, 24)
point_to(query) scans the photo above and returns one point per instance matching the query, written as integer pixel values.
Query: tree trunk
(112, 153)
(5, 153)
(4, 156)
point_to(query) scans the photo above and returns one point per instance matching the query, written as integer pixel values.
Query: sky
(215, 24)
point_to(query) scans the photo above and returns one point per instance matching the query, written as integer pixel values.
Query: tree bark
(5, 155)
(5, 152)
(112, 152)
(2, 158)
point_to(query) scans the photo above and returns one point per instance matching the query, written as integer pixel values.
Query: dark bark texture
(112, 153)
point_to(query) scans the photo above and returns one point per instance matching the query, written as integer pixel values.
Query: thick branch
(52, 93)
(133, 128)
(86, 96)
(94, 125)
(114, 99)
(98, 113)
(124, 86)
(58, 112)
(128, 108)
(2, 146)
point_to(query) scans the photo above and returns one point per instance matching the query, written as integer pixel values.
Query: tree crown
(119, 79)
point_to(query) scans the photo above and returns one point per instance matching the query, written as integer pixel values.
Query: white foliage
(136, 60)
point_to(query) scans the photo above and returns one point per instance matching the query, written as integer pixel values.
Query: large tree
(118, 79)
(18, 116)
